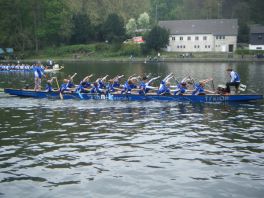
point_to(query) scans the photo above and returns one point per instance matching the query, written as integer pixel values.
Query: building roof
(256, 36)
(219, 27)
(255, 29)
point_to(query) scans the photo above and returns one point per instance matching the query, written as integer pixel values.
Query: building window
(173, 38)
(205, 46)
(197, 38)
(181, 38)
(188, 38)
(208, 46)
(177, 46)
(205, 38)
(223, 37)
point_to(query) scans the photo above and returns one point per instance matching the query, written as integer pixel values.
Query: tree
(157, 38)
(131, 27)
(82, 31)
(143, 21)
(113, 28)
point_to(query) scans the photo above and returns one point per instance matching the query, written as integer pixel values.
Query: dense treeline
(35, 24)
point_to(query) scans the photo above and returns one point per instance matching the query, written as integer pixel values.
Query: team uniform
(163, 89)
(198, 89)
(128, 86)
(181, 89)
(235, 81)
(38, 73)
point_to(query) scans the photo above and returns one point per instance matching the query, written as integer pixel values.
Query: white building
(256, 37)
(212, 35)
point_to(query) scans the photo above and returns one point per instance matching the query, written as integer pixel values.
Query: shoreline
(140, 60)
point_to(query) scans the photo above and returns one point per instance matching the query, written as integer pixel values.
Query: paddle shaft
(61, 96)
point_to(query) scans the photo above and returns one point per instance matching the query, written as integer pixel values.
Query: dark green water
(132, 149)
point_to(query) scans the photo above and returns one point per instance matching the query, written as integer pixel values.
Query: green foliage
(131, 27)
(143, 21)
(130, 49)
(82, 31)
(31, 25)
(248, 52)
(100, 47)
(113, 29)
(69, 49)
(157, 38)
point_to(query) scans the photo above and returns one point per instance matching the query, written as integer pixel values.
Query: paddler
(130, 84)
(164, 88)
(181, 88)
(145, 84)
(199, 88)
(49, 85)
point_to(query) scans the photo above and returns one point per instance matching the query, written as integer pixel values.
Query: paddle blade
(242, 87)
(61, 96)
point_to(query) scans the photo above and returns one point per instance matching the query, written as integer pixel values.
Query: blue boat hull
(216, 98)
(52, 95)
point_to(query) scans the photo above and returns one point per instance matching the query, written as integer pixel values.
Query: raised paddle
(61, 96)
(73, 76)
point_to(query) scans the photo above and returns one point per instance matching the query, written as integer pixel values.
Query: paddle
(73, 75)
(242, 87)
(213, 85)
(61, 96)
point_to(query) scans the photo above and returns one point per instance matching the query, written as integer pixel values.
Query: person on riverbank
(234, 80)
(38, 74)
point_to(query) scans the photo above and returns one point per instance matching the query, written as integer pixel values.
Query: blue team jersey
(163, 89)
(198, 90)
(180, 90)
(48, 87)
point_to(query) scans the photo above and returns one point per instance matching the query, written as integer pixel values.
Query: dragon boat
(209, 98)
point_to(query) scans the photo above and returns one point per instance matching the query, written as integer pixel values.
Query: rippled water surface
(132, 149)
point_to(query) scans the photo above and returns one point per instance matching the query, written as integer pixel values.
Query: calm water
(132, 149)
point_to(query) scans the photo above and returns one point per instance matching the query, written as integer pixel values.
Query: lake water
(132, 149)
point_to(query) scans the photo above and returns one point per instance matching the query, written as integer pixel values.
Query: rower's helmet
(145, 78)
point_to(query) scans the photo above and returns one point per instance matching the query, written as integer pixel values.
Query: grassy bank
(133, 52)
